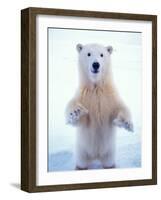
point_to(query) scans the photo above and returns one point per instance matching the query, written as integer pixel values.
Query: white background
(10, 98)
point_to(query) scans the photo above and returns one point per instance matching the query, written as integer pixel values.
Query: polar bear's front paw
(124, 123)
(75, 114)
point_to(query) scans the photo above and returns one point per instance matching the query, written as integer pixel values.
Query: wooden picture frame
(28, 98)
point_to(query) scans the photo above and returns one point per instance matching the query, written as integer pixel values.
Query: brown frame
(28, 98)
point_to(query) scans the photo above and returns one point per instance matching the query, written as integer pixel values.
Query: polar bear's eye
(89, 54)
(101, 54)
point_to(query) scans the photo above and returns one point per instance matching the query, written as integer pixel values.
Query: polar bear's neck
(108, 85)
(106, 82)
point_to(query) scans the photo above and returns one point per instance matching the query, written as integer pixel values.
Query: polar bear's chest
(100, 107)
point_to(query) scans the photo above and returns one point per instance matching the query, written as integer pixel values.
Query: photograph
(88, 99)
(94, 99)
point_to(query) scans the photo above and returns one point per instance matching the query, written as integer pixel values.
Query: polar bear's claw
(75, 114)
(128, 125)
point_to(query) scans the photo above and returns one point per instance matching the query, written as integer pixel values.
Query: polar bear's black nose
(96, 66)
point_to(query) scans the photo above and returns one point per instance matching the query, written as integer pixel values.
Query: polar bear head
(94, 61)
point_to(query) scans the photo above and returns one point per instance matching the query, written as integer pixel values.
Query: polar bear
(96, 109)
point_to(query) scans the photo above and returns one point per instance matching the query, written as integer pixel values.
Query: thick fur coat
(97, 108)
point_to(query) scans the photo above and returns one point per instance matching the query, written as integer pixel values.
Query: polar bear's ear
(79, 47)
(109, 49)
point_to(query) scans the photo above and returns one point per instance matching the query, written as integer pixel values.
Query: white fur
(96, 109)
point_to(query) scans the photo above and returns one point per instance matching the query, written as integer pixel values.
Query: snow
(128, 151)
(127, 72)
(128, 155)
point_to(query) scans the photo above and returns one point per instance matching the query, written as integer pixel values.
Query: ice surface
(128, 156)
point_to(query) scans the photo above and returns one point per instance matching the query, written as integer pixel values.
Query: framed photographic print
(88, 99)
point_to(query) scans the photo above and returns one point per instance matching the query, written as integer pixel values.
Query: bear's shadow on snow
(128, 156)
